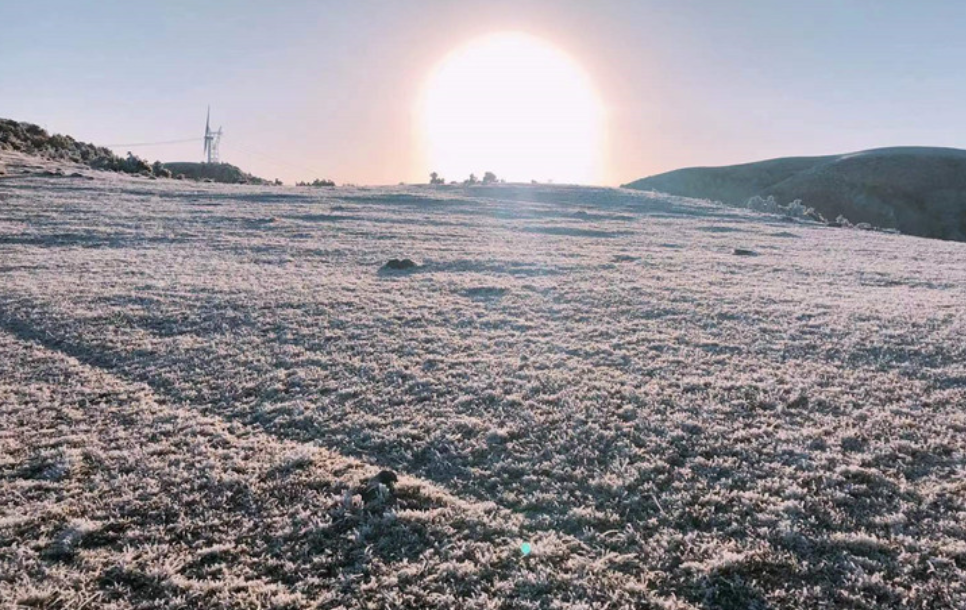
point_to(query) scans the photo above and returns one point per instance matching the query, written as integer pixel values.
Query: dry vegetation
(194, 379)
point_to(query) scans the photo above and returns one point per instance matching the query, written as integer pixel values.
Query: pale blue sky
(327, 88)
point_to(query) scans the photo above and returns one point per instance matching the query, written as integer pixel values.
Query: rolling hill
(917, 190)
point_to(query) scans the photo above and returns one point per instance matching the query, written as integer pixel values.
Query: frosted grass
(195, 378)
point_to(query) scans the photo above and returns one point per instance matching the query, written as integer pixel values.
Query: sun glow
(514, 105)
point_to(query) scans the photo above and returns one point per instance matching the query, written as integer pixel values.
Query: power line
(155, 143)
(276, 160)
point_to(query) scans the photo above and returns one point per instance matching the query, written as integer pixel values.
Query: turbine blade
(207, 131)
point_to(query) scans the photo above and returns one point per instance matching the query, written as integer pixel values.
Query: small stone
(65, 545)
(377, 492)
(744, 252)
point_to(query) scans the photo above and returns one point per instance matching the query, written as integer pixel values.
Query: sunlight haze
(512, 104)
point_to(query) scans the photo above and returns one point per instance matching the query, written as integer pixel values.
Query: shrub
(317, 183)
(135, 165)
(33, 140)
(160, 170)
(795, 209)
(59, 142)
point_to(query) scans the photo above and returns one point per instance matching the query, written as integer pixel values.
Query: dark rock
(48, 467)
(397, 264)
(378, 491)
(65, 545)
(744, 252)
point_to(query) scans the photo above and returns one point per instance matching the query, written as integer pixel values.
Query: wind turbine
(212, 139)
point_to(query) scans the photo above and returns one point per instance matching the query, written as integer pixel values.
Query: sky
(331, 88)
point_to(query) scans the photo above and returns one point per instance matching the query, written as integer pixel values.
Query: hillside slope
(917, 190)
(19, 137)
(216, 172)
(34, 141)
(196, 378)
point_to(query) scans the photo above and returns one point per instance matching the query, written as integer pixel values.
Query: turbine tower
(212, 139)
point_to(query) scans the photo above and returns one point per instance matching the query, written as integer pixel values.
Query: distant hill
(33, 140)
(917, 190)
(217, 172)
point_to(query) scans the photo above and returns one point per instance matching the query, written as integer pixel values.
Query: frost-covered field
(195, 378)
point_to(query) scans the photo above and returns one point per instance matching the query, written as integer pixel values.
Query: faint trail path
(158, 498)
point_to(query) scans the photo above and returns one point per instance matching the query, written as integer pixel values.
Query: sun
(515, 105)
